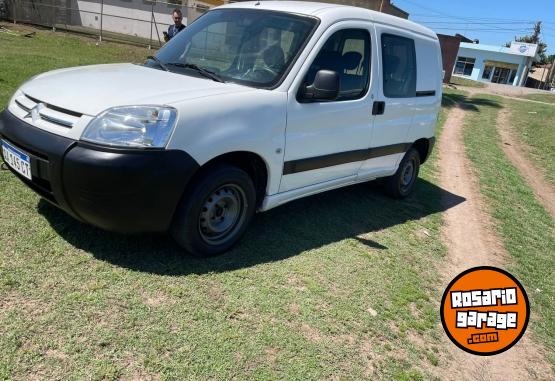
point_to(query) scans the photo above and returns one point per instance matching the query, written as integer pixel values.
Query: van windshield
(250, 47)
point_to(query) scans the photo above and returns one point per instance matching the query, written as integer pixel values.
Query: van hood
(93, 89)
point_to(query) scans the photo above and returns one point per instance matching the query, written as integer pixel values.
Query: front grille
(49, 113)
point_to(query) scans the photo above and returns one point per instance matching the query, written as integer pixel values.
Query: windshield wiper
(207, 73)
(160, 63)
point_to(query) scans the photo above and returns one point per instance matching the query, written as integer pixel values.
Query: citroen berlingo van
(253, 105)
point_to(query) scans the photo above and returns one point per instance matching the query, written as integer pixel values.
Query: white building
(496, 64)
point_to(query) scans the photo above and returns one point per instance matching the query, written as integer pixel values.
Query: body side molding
(307, 164)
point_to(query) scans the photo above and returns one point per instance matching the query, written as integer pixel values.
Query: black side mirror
(324, 88)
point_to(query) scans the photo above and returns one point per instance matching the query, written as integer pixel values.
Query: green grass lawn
(22, 57)
(337, 286)
(527, 230)
(534, 125)
(342, 285)
(466, 82)
(547, 97)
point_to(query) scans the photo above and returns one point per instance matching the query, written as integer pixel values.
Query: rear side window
(399, 66)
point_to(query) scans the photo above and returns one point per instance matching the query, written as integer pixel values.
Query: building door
(501, 75)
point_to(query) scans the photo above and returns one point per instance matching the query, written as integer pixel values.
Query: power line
(471, 22)
(438, 14)
(475, 19)
(486, 19)
(432, 10)
(487, 22)
(473, 26)
(485, 28)
(479, 20)
(480, 30)
(446, 14)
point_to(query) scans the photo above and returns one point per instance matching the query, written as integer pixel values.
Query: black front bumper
(122, 190)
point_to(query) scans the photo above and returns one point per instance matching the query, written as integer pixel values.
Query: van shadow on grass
(275, 235)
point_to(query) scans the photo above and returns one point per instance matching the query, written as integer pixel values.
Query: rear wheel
(215, 213)
(401, 184)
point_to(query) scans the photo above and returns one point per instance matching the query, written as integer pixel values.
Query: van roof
(332, 12)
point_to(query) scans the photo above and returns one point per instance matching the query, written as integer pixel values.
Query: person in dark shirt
(177, 27)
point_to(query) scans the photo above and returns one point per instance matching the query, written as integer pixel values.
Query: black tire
(215, 213)
(401, 184)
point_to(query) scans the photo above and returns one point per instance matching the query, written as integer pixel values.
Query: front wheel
(215, 213)
(401, 184)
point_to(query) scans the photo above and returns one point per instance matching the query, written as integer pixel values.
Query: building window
(487, 72)
(464, 66)
(399, 66)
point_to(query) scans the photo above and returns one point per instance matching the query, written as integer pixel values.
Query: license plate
(17, 159)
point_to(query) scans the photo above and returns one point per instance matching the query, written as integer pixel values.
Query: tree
(534, 38)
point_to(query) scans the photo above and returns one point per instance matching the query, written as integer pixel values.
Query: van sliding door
(394, 100)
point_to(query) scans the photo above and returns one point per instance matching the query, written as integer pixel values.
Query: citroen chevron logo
(34, 113)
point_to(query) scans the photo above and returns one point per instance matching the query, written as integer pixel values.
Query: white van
(251, 106)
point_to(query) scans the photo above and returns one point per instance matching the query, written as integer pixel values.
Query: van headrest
(351, 60)
(274, 57)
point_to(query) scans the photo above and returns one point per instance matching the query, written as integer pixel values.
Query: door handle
(378, 108)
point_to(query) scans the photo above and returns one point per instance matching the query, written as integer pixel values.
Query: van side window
(399, 66)
(346, 52)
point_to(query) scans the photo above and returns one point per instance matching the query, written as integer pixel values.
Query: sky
(493, 22)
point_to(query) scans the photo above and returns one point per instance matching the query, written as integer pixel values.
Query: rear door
(328, 140)
(395, 100)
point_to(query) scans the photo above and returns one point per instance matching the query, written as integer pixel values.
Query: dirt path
(545, 193)
(471, 241)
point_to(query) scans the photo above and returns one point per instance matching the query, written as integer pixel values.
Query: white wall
(137, 9)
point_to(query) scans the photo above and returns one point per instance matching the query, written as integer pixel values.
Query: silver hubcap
(222, 213)
(408, 175)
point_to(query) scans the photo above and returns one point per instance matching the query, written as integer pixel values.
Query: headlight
(132, 126)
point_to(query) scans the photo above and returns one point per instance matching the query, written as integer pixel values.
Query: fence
(136, 21)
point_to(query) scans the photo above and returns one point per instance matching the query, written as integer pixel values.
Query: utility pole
(549, 81)
(101, 14)
(525, 71)
(54, 15)
(542, 78)
(151, 19)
